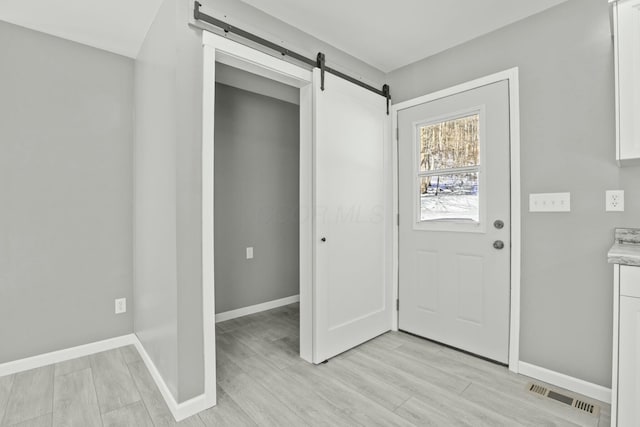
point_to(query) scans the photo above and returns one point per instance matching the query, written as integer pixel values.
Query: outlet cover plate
(121, 305)
(550, 202)
(614, 201)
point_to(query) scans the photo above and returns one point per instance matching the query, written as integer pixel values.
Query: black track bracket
(386, 92)
(320, 64)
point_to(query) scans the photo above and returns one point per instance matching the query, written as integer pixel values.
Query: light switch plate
(250, 252)
(550, 202)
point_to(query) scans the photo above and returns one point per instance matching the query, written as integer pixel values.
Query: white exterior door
(352, 222)
(454, 198)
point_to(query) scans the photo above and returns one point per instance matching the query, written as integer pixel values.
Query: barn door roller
(320, 65)
(319, 62)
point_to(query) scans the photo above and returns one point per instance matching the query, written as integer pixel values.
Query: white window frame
(446, 224)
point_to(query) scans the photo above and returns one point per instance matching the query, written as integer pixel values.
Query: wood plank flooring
(393, 380)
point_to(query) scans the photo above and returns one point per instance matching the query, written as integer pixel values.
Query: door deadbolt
(498, 244)
(324, 239)
(499, 224)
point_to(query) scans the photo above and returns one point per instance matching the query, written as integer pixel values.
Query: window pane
(450, 144)
(449, 197)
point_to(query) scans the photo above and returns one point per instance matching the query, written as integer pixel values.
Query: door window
(448, 169)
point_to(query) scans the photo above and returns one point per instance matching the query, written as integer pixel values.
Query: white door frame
(223, 50)
(511, 75)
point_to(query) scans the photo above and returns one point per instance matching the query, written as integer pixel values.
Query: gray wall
(565, 58)
(189, 203)
(66, 131)
(167, 193)
(169, 107)
(241, 79)
(155, 271)
(257, 147)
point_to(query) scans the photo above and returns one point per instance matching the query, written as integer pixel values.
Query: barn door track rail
(319, 62)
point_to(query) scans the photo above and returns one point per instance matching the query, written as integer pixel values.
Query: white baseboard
(575, 385)
(180, 411)
(245, 311)
(46, 359)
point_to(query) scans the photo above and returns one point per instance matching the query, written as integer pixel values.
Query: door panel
(427, 291)
(470, 289)
(454, 286)
(352, 218)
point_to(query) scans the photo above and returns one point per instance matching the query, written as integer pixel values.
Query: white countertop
(627, 254)
(626, 249)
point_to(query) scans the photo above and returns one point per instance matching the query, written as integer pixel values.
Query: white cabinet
(625, 410)
(626, 32)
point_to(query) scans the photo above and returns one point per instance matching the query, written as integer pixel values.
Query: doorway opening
(345, 233)
(256, 218)
(217, 53)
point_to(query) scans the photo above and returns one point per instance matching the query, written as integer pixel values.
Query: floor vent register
(574, 402)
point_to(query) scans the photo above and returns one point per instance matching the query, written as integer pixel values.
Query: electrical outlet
(615, 200)
(250, 253)
(121, 305)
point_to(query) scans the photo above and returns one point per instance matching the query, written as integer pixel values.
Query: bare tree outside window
(448, 170)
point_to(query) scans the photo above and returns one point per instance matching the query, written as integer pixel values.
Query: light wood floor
(393, 380)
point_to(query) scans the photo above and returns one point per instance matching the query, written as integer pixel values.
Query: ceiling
(118, 26)
(391, 34)
(385, 34)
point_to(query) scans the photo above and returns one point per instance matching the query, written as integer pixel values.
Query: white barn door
(352, 221)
